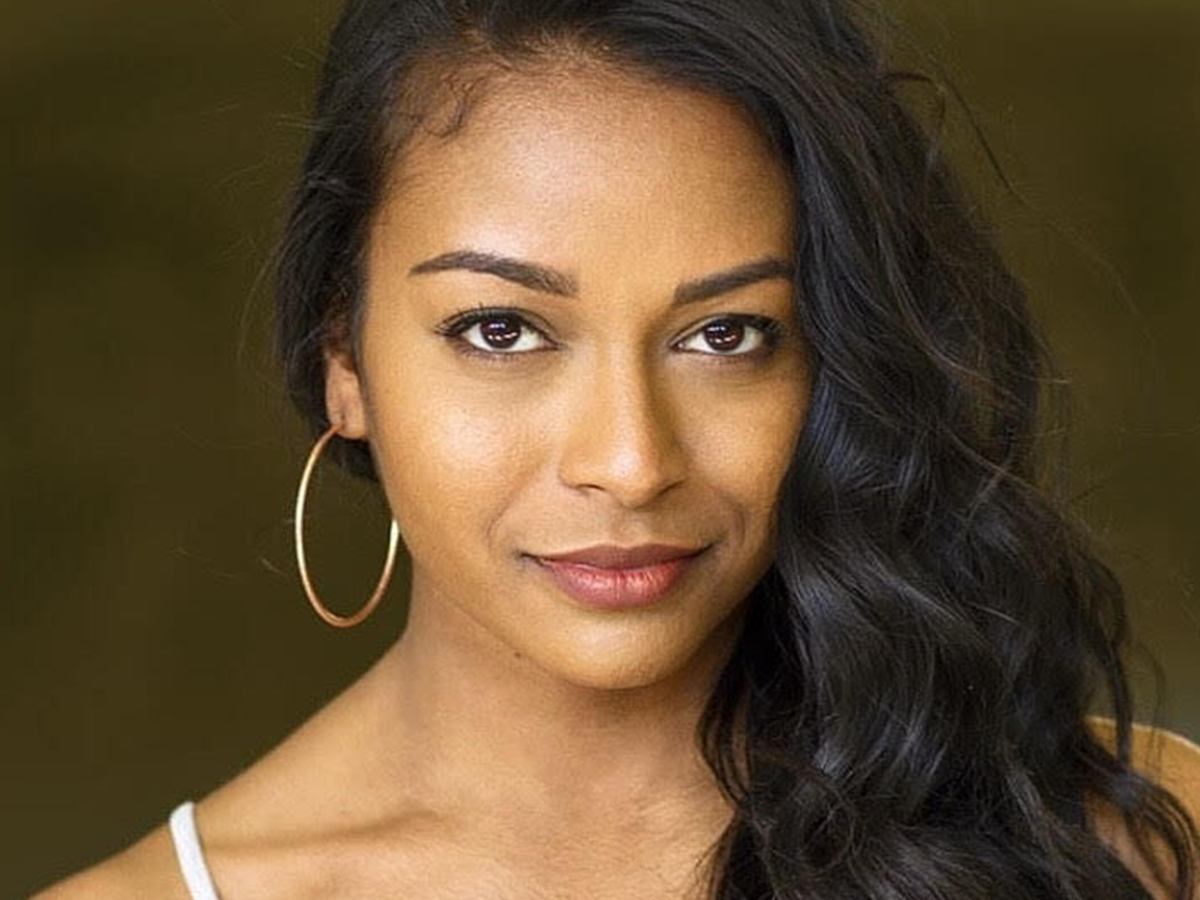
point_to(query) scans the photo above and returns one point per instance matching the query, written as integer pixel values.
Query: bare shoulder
(1171, 761)
(146, 868)
(285, 825)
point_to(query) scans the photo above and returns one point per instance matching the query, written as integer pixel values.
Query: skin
(514, 743)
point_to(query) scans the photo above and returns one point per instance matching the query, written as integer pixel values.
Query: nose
(621, 435)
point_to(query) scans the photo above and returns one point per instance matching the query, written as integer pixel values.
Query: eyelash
(772, 332)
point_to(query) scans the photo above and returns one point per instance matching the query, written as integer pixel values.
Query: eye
(503, 335)
(494, 333)
(735, 336)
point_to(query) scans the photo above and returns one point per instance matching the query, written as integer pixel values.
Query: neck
(477, 728)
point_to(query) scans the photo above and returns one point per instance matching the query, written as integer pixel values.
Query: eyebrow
(550, 281)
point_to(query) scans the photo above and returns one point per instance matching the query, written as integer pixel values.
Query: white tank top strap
(189, 853)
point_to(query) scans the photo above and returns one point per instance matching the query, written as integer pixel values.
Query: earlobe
(344, 395)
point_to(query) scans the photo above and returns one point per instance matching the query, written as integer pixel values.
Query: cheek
(745, 443)
(451, 458)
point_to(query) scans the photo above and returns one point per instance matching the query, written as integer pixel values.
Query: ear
(344, 394)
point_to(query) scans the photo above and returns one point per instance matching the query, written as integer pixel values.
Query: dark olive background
(153, 636)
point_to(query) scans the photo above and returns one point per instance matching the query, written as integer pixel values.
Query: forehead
(593, 165)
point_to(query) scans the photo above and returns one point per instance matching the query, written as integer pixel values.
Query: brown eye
(495, 334)
(735, 336)
(500, 332)
(724, 336)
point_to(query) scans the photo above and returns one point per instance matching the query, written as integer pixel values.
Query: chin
(617, 662)
(610, 679)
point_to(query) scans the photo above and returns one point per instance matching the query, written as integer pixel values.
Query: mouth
(609, 577)
(610, 556)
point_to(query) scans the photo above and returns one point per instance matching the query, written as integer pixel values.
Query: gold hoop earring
(393, 539)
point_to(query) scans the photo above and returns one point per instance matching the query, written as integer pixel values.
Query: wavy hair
(904, 715)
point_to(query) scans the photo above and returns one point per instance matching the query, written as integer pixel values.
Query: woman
(706, 412)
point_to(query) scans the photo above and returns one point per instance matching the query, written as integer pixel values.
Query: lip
(624, 585)
(610, 556)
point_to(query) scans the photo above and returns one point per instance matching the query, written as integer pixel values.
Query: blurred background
(153, 636)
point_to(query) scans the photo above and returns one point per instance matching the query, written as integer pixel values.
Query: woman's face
(615, 401)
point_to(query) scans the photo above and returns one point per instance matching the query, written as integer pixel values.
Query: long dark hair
(904, 715)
